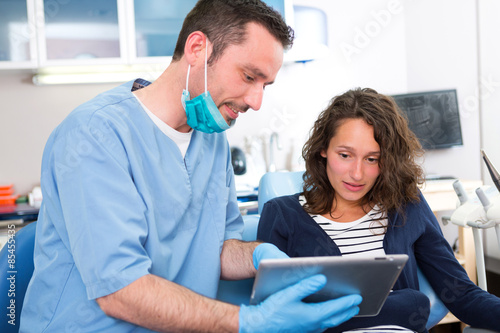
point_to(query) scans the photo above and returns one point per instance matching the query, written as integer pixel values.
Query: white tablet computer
(372, 278)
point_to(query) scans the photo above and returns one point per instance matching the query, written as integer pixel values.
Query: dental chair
(274, 184)
(20, 256)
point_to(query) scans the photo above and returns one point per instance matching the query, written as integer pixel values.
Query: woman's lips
(353, 187)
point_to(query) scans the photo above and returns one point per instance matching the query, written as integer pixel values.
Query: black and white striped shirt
(380, 329)
(362, 238)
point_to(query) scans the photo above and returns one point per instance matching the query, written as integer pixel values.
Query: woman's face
(352, 161)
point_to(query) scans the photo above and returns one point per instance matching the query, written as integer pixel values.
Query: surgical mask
(201, 111)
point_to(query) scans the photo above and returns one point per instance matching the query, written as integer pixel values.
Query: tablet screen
(372, 278)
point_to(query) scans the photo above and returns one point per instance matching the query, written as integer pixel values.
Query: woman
(361, 198)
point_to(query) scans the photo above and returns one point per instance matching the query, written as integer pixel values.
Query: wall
(442, 53)
(28, 114)
(392, 46)
(489, 96)
(367, 49)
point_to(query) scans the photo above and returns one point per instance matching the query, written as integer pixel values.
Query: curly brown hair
(224, 23)
(399, 176)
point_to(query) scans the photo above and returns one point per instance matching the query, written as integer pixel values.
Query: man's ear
(194, 49)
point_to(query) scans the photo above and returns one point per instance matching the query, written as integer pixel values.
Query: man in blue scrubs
(139, 218)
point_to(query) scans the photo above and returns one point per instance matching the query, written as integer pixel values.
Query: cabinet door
(17, 34)
(79, 32)
(157, 26)
(157, 23)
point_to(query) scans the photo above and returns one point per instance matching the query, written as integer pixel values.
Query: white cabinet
(50, 35)
(79, 32)
(157, 24)
(58, 33)
(17, 34)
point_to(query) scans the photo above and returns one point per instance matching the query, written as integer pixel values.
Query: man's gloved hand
(284, 311)
(267, 251)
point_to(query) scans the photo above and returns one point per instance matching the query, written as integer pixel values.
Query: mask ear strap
(187, 77)
(206, 62)
(189, 69)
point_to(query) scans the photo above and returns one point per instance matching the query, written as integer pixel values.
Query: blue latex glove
(284, 311)
(267, 251)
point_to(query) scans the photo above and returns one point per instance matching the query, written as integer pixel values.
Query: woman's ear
(194, 49)
(323, 153)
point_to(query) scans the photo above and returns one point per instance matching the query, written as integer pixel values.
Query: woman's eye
(344, 155)
(372, 160)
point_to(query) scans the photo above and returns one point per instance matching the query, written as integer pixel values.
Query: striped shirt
(362, 238)
(380, 329)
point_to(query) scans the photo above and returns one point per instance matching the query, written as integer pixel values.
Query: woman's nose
(357, 170)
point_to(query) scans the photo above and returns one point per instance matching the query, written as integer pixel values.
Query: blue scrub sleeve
(234, 220)
(103, 211)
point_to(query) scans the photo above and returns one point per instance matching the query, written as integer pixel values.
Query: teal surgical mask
(201, 111)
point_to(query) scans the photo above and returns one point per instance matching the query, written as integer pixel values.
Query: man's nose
(254, 97)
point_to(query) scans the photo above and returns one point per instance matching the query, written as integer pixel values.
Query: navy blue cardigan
(284, 223)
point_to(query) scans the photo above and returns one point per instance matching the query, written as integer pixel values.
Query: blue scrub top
(120, 202)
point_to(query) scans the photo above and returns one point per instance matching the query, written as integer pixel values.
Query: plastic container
(6, 187)
(8, 192)
(8, 200)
